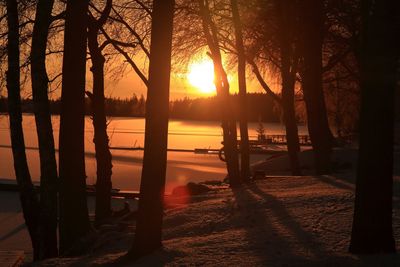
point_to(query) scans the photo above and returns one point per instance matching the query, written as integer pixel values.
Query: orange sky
(180, 85)
(124, 83)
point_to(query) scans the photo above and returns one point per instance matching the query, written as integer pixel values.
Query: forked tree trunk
(28, 197)
(101, 141)
(244, 134)
(317, 120)
(48, 165)
(287, 104)
(74, 218)
(148, 234)
(222, 86)
(372, 223)
(289, 61)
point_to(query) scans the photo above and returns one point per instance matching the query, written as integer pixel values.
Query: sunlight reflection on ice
(129, 132)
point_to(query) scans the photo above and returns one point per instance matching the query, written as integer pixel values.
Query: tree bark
(289, 63)
(292, 135)
(101, 140)
(48, 165)
(222, 86)
(372, 223)
(74, 219)
(311, 48)
(28, 196)
(149, 223)
(244, 134)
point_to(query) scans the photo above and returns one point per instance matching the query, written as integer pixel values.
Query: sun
(201, 76)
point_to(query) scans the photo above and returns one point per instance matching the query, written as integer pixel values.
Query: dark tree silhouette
(149, 223)
(135, 29)
(286, 20)
(101, 140)
(286, 101)
(372, 224)
(48, 165)
(74, 218)
(273, 44)
(222, 84)
(29, 200)
(312, 30)
(244, 134)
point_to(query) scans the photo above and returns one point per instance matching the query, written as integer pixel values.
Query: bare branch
(58, 16)
(127, 58)
(119, 43)
(263, 84)
(148, 11)
(105, 14)
(132, 31)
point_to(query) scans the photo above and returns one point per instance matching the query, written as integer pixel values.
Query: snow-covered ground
(13, 233)
(279, 221)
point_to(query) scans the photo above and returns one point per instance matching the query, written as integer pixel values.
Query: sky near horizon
(194, 81)
(121, 81)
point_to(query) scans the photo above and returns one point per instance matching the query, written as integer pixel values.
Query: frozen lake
(128, 132)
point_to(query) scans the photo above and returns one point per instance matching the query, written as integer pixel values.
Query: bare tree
(312, 32)
(210, 32)
(74, 218)
(101, 140)
(244, 135)
(48, 165)
(274, 46)
(149, 223)
(29, 200)
(130, 20)
(286, 21)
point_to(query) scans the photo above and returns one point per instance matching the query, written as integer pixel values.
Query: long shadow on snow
(283, 241)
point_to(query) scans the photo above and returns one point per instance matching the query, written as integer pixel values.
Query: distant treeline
(259, 107)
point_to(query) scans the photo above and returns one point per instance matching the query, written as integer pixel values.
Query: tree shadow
(345, 184)
(283, 240)
(347, 181)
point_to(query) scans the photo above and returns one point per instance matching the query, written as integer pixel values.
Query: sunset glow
(201, 76)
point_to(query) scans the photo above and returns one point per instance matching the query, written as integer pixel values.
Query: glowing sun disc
(201, 76)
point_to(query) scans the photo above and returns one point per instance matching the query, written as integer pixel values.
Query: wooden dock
(280, 139)
(138, 148)
(256, 146)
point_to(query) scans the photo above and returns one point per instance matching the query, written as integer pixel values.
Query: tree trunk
(149, 223)
(74, 219)
(244, 135)
(372, 223)
(101, 140)
(222, 85)
(48, 165)
(289, 64)
(229, 134)
(292, 135)
(29, 200)
(318, 127)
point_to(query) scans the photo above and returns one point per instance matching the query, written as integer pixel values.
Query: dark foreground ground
(278, 221)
